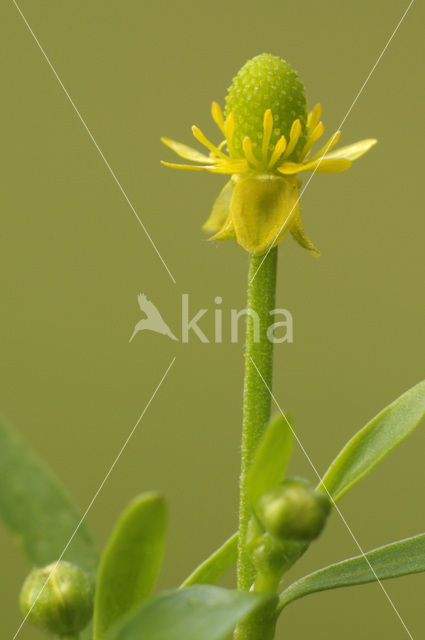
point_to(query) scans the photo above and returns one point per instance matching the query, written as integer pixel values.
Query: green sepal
(220, 210)
(262, 210)
(300, 236)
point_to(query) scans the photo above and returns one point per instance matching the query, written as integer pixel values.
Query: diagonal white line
(333, 501)
(111, 171)
(285, 224)
(102, 484)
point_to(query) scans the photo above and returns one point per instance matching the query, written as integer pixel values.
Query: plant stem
(256, 399)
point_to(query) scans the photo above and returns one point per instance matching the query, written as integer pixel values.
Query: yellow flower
(259, 205)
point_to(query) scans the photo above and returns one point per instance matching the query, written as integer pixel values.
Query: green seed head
(293, 511)
(266, 82)
(64, 605)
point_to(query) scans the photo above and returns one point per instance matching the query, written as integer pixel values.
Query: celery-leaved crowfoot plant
(267, 141)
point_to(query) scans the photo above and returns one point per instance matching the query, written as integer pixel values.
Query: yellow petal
(186, 152)
(231, 165)
(263, 209)
(328, 165)
(328, 146)
(220, 210)
(189, 167)
(290, 168)
(299, 234)
(353, 151)
(325, 165)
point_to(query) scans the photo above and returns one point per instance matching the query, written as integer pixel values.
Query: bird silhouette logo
(153, 320)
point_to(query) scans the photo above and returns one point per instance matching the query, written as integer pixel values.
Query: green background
(73, 258)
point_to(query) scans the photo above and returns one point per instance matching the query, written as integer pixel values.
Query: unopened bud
(293, 511)
(58, 599)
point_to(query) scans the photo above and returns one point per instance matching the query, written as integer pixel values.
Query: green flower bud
(266, 82)
(269, 555)
(63, 605)
(293, 511)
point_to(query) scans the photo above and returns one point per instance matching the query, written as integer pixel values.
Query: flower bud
(269, 555)
(58, 599)
(293, 511)
(266, 82)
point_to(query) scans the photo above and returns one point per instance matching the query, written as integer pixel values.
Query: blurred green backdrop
(73, 258)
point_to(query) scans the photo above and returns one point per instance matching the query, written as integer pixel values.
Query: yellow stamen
(293, 137)
(217, 116)
(277, 151)
(214, 156)
(267, 133)
(313, 137)
(328, 146)
(314, 117)
(249, 154)
(203, 140)
(229, 130)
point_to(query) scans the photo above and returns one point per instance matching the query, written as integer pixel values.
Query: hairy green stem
(256, 405)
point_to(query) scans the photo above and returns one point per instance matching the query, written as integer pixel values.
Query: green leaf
(131, 561)
(195, 613)
(374, 441)
(215, 565)
(393, 560)
(37, 509)
(271, 459)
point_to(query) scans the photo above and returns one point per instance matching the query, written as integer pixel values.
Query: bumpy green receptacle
(266, 82)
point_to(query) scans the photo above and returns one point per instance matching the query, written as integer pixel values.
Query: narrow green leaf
(195, 613)
(271, 459)
(37, 509)
(393, 560)
(215, 565)
(374, 441)
(131, 561)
